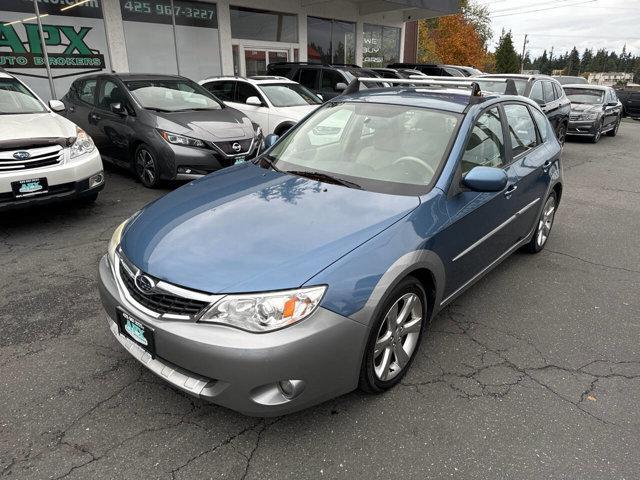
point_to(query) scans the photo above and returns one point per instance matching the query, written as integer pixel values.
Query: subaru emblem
(22, 155)
(145, 284)
(236, 146)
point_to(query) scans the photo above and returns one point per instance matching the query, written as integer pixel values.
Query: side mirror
(340, 87)
(57, 106)
(255, 101)
(485, 179)
(270, 140)
(118, 108)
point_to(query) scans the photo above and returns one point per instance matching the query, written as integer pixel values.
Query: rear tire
(544, 225)
(395, 336)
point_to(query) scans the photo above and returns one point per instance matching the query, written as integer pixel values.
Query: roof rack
(417, 80)
(317, 64)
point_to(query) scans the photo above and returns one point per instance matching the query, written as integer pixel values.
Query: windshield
(169, 95)
(16, 98)
(501, 86)
(378, 147)
(582, 95)
(289, 95)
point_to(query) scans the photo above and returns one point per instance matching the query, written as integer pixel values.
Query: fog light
(291, 388)
(97, 179)
(186, 170)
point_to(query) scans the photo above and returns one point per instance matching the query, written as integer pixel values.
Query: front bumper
(240, 370)
(66, 181)
(178, 162)
(583, 127)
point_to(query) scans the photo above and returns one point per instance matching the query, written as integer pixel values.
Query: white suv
(43, 156)
(274, 103)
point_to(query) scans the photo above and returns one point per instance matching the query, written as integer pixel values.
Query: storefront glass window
(381, 45)
(331, 41)
(252, 24)
(75, 42)
(184, 33)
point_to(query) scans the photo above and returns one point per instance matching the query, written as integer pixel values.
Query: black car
(435, 70)
(327, 81)
(544, 90)
(396, 72)
(163, 127)
(594, 110)
(630, 98)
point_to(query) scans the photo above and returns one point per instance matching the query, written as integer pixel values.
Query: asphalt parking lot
(533, 373)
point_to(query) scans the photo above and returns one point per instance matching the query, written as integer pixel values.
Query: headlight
(116, 237)
(176, 139)
(590, 116)
(82, 144)
(263, 312)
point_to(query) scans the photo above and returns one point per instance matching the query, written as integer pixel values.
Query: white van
(43, 157)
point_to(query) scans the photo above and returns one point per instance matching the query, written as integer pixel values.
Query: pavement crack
(590, 262)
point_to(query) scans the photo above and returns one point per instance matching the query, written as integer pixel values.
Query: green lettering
(76, 39)
(51, 33)
(9, 38)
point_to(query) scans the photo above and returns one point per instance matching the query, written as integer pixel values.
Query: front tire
(561, 134)
(598, 135)
(395, 337)
(545, 223)
(614, 132)
(145, 165)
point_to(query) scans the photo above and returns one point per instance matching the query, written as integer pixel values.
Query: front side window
(537, 93)
(109, 93)
(172, 95)
(289, 95)
(309, 77)
(485, 147)
(15, 98)
(244, 91)
(378, 147)
(521, 128)
(549, 96)
(330, 79)
(584, 95)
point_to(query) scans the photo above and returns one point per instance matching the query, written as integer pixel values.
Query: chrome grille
(160, 300)
(575, 116)
(34, 158)
(227, 147)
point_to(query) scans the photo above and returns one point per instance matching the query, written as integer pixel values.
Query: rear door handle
(510, 189)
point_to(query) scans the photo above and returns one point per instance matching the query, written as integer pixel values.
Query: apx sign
(67, 47)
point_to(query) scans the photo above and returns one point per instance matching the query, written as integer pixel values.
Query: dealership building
(198, 39)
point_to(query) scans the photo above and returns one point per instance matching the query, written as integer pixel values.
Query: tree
(480, 17)
(506, 56)
(585, 62)
(573, 62)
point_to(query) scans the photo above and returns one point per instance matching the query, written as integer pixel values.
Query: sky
(564, 23)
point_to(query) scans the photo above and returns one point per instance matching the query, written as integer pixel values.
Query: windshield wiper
(325, 177)
(156, 109)
(270, 162)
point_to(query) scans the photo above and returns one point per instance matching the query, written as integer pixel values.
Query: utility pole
(524, 50)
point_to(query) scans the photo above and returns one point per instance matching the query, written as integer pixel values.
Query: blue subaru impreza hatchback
(276, 284)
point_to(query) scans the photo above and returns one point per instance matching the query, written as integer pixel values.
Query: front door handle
(510, 189)
(547, 165)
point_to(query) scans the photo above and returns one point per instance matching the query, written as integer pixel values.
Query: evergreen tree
(585, 62)
(506, 56)
(573, 62)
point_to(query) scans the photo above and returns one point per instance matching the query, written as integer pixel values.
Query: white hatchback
(274, 103)
(43, 156)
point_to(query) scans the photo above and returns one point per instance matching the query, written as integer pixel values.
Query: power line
(544, 9)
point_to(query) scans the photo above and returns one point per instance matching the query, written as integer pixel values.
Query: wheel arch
(557, 188)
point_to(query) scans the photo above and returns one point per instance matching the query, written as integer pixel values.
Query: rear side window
(536, 93)
(549, 95)
(309, 77)
(486, 144)
(86, 90)
(543, 124)
(223, 90)
(521, 128)
(558, 90)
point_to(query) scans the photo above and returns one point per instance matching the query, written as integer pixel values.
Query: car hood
(247, 229)
(210, 125)
(32, 126)
(296, 113)
(585, 108)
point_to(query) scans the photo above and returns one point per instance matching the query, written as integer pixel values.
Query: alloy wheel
(562, 134)
(546, 221)
(397, 337)
(146, 168)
